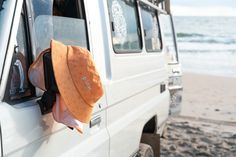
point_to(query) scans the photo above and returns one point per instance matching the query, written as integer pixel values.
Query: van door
(174, 66)
(25, 131)
(137, 71)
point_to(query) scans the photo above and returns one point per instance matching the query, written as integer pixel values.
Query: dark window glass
(18, 83)
(125, 26)
(151, 28)
(170, 43)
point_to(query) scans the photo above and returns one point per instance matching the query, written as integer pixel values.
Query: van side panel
(25, 132)
(6, 16)
(125, 127)
(134, 97)
(134, 73)
(132, 86)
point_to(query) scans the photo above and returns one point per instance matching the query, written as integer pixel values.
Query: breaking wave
(201, 38)
(185, 35)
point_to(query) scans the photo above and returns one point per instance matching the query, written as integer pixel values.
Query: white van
(125, 39)
(174, 66)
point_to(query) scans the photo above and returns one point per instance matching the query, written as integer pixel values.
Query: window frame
(29, 59)
(139, 31)
(10, 10)
(28, 21)
(170, 17)
(174, 37)
(157, 12)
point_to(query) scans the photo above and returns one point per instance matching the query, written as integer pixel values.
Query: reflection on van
(129, 46)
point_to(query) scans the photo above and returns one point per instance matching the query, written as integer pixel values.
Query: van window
(18, 85)
(170, 43)
(125, 26)
(151, 28)
(60, 20)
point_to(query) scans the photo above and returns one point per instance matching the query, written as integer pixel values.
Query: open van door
(174, 66)
(24, 130)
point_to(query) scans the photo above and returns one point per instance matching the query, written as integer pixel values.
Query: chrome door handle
(95, 121)
(22, 77)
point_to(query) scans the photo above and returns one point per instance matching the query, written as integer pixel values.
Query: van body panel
(6, 17)
(174, 67)
(175, 88)
(125, 128)
(26, 132)
(133, 97)
(97, 20)
(133, 73)
(12, 22)
(132, 84)
(124, 89)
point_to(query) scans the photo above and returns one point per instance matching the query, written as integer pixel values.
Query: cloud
(203, 11)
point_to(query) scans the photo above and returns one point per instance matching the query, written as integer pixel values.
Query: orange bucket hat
(59, 110)
(77, 80)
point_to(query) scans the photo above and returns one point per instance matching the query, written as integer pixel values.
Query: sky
(203, 7)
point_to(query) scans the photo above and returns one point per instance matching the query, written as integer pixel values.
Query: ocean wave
(226, 51)
(186, 35)
(205, 38)
(208, 39)
(211, 41)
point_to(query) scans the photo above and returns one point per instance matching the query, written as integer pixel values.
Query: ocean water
(207, 45)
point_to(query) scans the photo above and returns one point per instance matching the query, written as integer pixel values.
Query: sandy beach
(211, 97)
(206, 126)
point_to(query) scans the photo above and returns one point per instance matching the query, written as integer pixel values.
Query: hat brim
(73, 100)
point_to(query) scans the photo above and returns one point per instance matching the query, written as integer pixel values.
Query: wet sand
(207, 124)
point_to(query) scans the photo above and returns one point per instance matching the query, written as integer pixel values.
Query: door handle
(162, 87)
(22, 77)
(95, 121)
(175, 71)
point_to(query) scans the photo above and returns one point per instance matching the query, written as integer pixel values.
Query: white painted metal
(7, 54)
(153, 6)
(132, 97)
(1, 152)
(6, 17)
(27, 133)
(174, 65)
